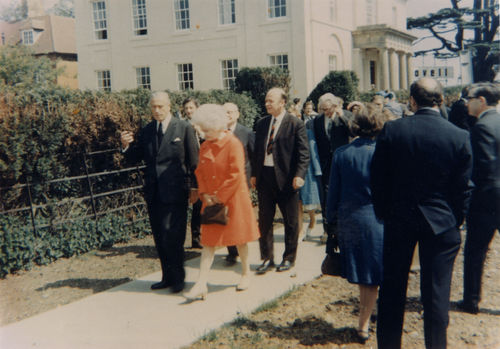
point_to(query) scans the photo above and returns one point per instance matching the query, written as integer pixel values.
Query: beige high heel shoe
(196, 293)
(244, 283)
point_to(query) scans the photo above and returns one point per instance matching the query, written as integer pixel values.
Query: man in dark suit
(331, 131)
(484, 212)
(420, 187)
(247, 138)
(279, 167)
(169, 148)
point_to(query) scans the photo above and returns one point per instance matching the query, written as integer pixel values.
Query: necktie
(159, 134)
(329, 128)
(269, 148)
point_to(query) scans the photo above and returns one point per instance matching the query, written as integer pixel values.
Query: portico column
(403, 74)
(384, 64)
(394, 65)
(409, 67)
(358, 66)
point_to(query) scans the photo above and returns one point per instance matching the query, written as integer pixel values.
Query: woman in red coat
(222, 179)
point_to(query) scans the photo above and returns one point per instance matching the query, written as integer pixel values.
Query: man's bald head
(427, 92)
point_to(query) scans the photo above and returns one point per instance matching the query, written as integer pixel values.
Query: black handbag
(214, 214)
(332, 264)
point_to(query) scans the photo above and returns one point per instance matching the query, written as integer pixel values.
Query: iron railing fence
(96, 197)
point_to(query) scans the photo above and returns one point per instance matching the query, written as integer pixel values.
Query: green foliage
(471, 27)
(19, 68)
(20, 247)
(247, 107)
(15, 11)
(257, 81)
(343, 84)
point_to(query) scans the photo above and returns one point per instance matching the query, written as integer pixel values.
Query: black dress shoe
(176, 288)
(284, 266)
(161, 285)
(230, 260)
(468, 307)
(265, 266)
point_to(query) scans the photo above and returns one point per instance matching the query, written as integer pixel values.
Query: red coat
(221, 171)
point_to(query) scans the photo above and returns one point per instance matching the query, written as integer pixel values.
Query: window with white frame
(229, 69)
(104, 80)
(181, 14)
(27, 37)
(279, 61)
(139, 17)
(143, 75)
(371, 8)
(332, 63)
(276, 8)
(185, 76)
(100, 20)
(227, 12)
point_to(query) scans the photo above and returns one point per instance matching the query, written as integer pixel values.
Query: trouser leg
(399, 245)
(437, 256)
(289, 207)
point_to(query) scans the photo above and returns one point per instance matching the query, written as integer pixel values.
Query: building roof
(54, 34)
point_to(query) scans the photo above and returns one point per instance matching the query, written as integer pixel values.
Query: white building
(201, 44)
(449, 71)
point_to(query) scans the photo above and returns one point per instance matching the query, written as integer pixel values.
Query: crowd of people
(386, 177)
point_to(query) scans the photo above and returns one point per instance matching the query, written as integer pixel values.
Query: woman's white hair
(211, 117)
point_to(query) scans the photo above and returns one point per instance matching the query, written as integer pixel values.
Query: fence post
(32, 210)
(92, 199)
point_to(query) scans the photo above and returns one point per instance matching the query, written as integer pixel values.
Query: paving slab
(132, 316)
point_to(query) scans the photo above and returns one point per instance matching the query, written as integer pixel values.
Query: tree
(65, 8)
(15, 11)
(464, 28)
(19, 68)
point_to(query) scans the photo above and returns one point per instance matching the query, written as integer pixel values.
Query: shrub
(343, 84)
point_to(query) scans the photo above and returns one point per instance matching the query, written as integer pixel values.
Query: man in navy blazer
(484, 213)
(420, 187)
(279, 167)
(169, 148)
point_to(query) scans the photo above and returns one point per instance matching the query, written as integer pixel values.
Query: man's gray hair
(160, 95)
(328, 97)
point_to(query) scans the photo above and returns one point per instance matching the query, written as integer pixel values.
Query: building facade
(201, 44)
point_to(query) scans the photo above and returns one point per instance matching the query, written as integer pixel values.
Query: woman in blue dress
(309, 193)
(349, 205)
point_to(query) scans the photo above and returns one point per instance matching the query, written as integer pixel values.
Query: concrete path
(132, 316)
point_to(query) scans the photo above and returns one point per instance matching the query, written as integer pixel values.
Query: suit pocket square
(177, 139)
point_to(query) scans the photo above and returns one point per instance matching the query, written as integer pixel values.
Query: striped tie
(269, 148)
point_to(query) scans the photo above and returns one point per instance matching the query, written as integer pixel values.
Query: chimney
(35, 8)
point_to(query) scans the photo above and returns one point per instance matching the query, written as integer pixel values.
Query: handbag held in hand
(214, 214)
(332, 264)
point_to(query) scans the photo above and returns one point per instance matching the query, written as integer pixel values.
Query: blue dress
(349, 202)
(309, 193)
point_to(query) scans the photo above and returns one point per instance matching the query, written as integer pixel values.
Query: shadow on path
(96, 285)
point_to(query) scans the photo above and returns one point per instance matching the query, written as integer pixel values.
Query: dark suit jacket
(247, 138)
(485, 139)
(170, 169)
(290, 150)
(422, 163)
(327, 146)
